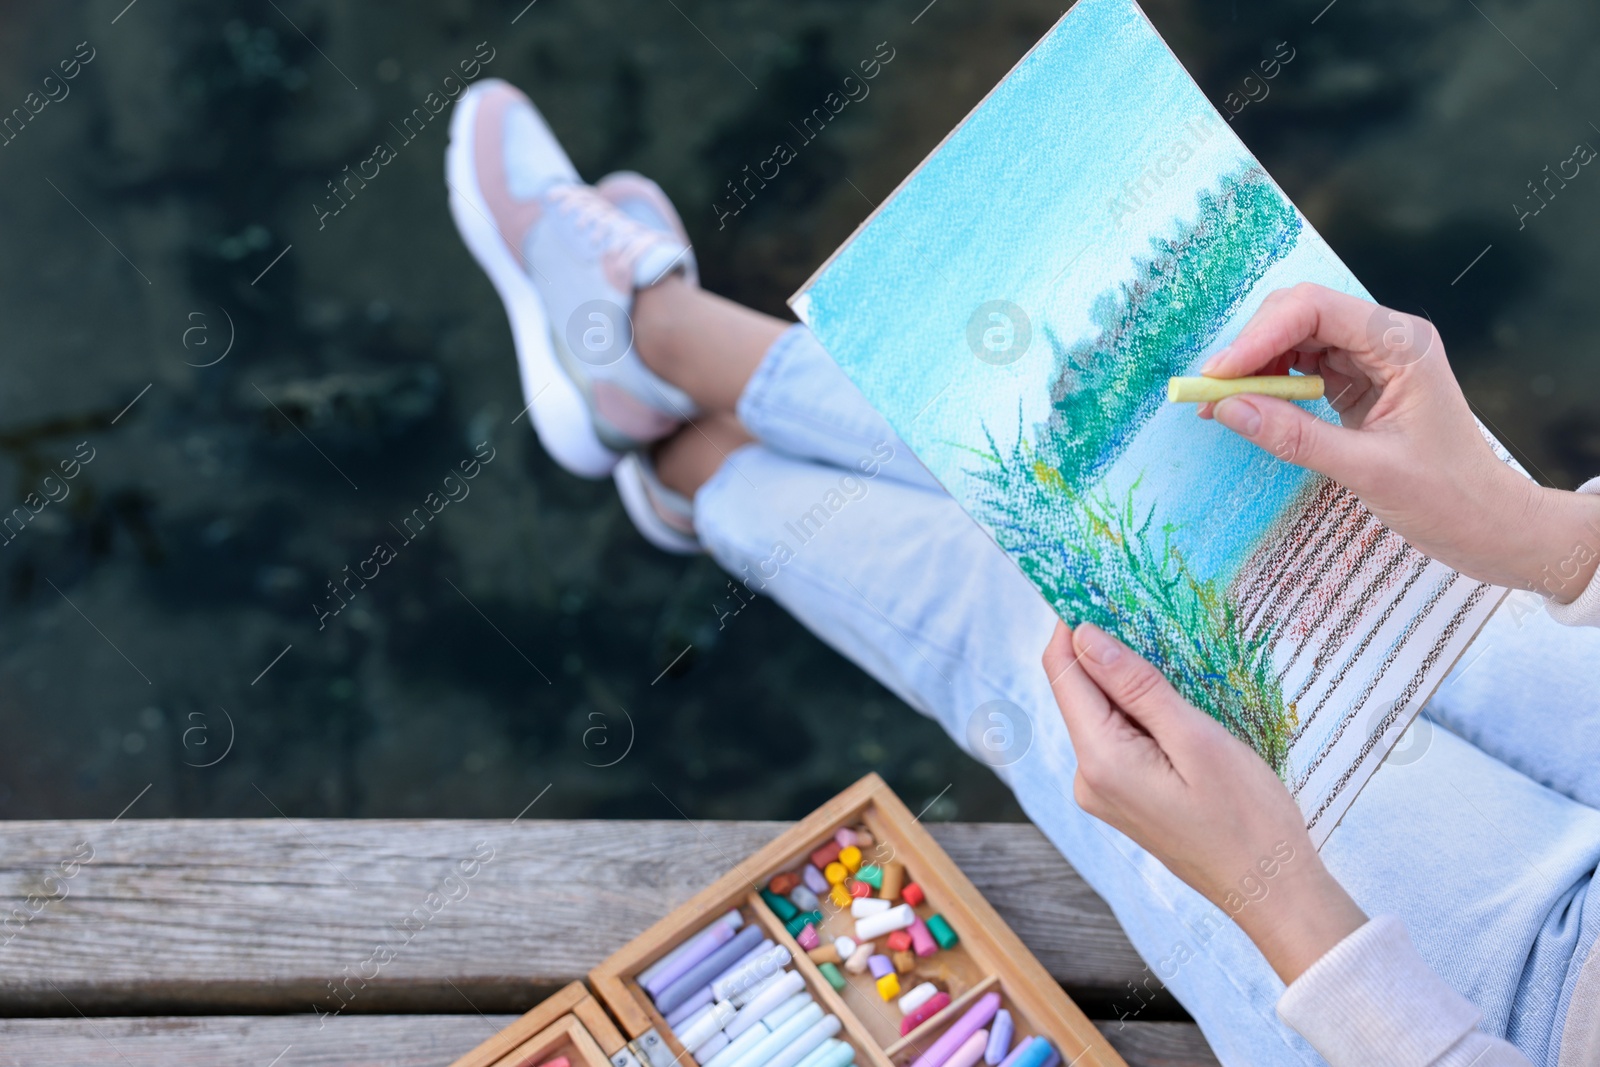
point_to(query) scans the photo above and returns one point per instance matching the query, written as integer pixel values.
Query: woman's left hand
(1180, 785)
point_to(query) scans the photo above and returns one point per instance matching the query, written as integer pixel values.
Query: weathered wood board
(188, 916)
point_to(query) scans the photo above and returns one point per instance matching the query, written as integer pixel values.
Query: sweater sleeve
(1372, 999)
(1584, 611)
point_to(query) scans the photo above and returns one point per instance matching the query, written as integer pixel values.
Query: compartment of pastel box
(565, 1043)
(982, 1029)
(732, 995)
(872, 935)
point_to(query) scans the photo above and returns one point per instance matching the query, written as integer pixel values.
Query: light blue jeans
(1482, 835)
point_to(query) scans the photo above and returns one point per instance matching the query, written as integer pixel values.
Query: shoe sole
(555, 403)
(636, 502)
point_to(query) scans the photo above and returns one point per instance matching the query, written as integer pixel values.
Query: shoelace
(599, 220)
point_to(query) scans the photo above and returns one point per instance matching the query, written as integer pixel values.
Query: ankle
(692, 456)
(657, 314)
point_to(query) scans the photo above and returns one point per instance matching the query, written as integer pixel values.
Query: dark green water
(529, 633)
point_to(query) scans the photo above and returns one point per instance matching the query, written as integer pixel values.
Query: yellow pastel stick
(1204, 390)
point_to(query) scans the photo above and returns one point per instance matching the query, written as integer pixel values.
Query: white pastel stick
(803, 898)
(896, 918)
(711, 1023)
(738, 1046)
(844, 946)
(772, 994)
(732, 919)
(917, 997)
(751, 972)
(718, 1042)
(806, 1043)
(861, 907)
(786, 1011)
(741, 997)
(688, 1019)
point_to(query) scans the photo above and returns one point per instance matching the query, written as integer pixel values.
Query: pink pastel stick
(975, 1019)
(970, 1052)
(922, 941)
(925, 1011)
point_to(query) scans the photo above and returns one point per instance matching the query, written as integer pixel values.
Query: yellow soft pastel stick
(1205, 390)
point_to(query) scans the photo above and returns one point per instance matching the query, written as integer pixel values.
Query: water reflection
(274, 365)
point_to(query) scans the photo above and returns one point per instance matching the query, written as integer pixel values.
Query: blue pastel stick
(806, 1043)
(741, 1044)
(776, 1041)
(1037, 1054)
(820, 1055)
(843, 1056)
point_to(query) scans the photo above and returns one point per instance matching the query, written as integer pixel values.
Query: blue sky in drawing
(1018, 205)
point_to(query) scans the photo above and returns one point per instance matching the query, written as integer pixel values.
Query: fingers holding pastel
(1292, 323)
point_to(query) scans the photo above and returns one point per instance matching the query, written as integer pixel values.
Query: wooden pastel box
(621, 1024)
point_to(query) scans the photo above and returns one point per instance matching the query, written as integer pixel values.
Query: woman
(731, 432)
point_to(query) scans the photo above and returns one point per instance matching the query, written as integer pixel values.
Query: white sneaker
(566, 260)
(664, 516)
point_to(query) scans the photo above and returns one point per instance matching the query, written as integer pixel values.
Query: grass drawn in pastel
(1154, 326)
(1103, 560)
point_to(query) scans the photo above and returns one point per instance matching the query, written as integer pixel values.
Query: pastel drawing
(1015, 310)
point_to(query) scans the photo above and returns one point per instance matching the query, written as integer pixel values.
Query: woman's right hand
(1408, 445)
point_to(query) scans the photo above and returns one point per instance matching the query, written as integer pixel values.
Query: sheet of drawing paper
(1015, 310)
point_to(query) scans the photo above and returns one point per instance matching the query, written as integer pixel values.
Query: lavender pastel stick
(647, 977)
(999, 1038)
(975, 1019)
(696, 949)
(708, 968)
(1038, 1053)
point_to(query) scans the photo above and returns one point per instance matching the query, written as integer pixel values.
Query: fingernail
(1210, 364)
(1097, 645)
(1238, 415)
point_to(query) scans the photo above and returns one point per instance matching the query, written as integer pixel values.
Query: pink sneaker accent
(644, 200)
(512, 217)
(623, 411)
